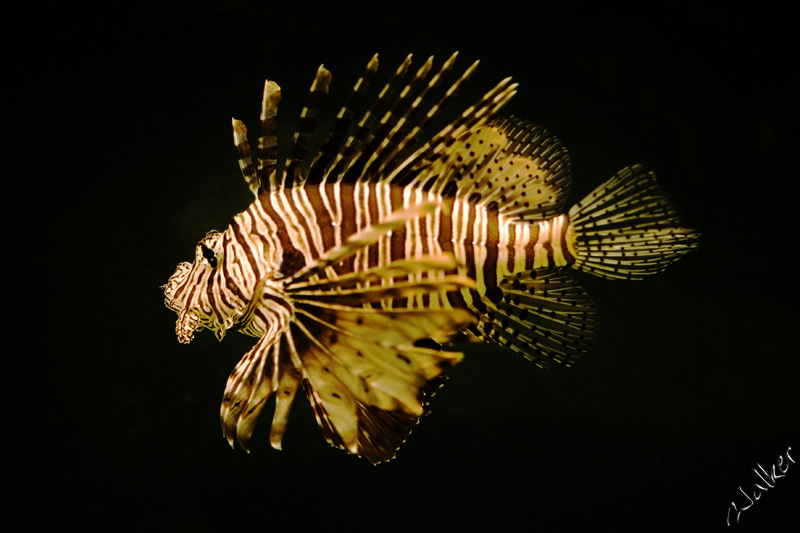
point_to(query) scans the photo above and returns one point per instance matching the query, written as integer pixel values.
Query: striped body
(352, 273)
(306, 221)
(310, 220)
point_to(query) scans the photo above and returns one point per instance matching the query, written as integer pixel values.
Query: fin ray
(513, 165)
(319, 169)
(543, 314)
(627, 228)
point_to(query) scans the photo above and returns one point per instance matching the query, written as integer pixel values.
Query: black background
(123, 159)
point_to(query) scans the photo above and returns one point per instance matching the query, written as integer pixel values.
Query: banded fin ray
(344, 168)
(378, 293)
(318, 170)
(251, 176)
(382, 138)
(395, 269)
(266, 369)
(366, 376)
(267, 156)
(378, 148)
(396, 145)
(361, 367)
(511, 166)
(545, 315)
(354, 261)
(411, 172)
(627, 228)
(305, 129)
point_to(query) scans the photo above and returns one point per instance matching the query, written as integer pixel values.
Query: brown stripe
(243, 240)
(512, 250)
(323, 219)
(348, 226)
(490, 263)
(373, 257)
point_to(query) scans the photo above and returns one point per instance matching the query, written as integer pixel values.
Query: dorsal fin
(408, 128)
(379, 146)
(344, 167)
(511, 165)
(410, 170)
(381, 141)
(305, 129)
(263, 176)
(268, 136)
(341, 126)
(251, 175)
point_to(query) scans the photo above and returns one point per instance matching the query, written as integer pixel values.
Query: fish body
(352, 273)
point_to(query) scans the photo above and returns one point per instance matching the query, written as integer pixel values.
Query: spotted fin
(387, 133)
(543, 314)
(356, 346)
(627, 228)
(380, 144)
(510, 166)
(361, 367)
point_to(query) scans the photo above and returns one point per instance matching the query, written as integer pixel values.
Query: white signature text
(766, 480)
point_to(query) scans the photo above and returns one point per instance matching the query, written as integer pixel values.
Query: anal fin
(543, 314)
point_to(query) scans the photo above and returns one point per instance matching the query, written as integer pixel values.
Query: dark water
(122, 117)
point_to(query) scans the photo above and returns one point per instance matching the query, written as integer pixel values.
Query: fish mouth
(175, 283)
(173, 304)
(186, 325)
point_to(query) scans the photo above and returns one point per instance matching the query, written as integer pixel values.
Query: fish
(360, 265)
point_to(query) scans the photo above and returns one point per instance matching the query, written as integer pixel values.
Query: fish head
(192, 288)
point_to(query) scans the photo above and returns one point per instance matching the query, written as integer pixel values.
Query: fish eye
(209, 255)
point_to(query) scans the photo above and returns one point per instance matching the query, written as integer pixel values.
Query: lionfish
(354, 265)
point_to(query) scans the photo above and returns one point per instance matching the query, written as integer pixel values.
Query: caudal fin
(627, 228)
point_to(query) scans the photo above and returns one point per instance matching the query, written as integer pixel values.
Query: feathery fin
(407, 172)
(511, 164)
(306, 127)
(346, 167)
(360, 364)
(543, 314)
(627, 228)
(318, 170)
(381, 143)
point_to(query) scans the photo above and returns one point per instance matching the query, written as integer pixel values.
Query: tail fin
(627, 228)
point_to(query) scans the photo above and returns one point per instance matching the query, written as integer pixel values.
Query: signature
(778, 471)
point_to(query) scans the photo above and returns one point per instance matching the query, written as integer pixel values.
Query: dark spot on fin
(494, 294)
(549, 319)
